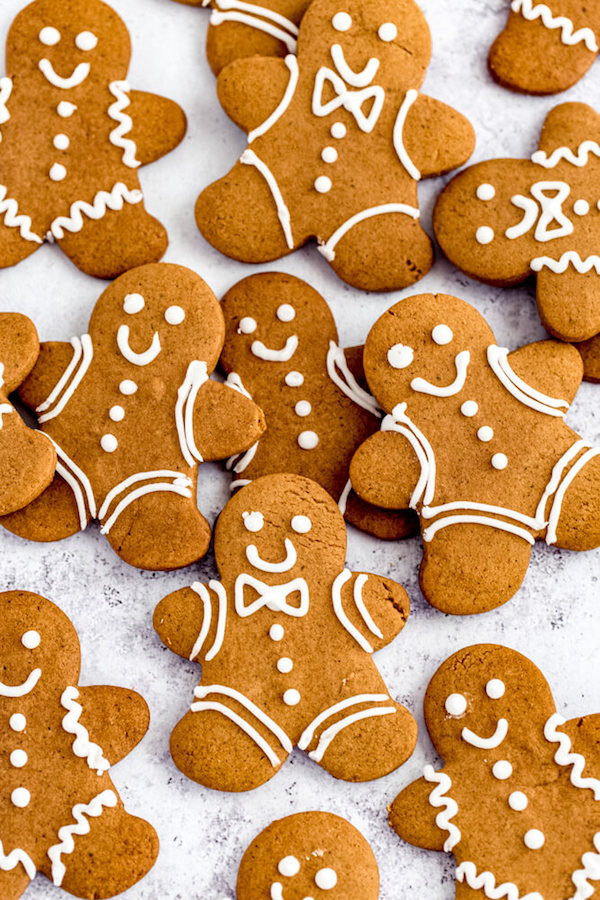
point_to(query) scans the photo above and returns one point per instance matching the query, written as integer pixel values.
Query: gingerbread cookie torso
(132, 411)
(60, 813)
(73, 137)
(27, 458)
(338, 138)
(505, 219)
(546, 47)
(517, 801)
(475, 441)
(285, 639)
(309, 853)
(281, 345)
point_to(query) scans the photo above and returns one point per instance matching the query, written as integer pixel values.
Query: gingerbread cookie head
(310, 854)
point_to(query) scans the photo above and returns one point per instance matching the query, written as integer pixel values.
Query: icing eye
(342, 21)
(388, 32)
(253, 521)
(400, 356)
(247, 325)
(495, 689)
(133, 303)
(456, 705)
(174, 315)
(85, 40)
(288, 866)
(49, 36)
(31, 640)
(286, 313)
(301, 524)
(486, 192)
(326, 879)
(441, 334)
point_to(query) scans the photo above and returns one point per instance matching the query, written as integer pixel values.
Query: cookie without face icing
(505, 219)
(73, 136)
(546, 47)
(27, 458)
(281, 345)
(60, 813)
(517, 801)
(309, 855)
(475, 442)
(285, 640)
(338, 139)
(132, 412)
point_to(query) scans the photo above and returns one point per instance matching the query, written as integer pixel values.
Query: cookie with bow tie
(285, 638)
(517, 801)
(338, 138)
(132, 413)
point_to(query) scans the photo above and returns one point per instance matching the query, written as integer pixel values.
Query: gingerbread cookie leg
(53, 516)
(590, 354)
(14, 881)
(575, 515)
(567, 299)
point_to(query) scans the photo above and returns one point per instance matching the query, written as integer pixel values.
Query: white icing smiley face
(456, 706)
(285, 312)
(254, 522)
(85, 41)
(133, 304)
(401, 356)
(325, 879)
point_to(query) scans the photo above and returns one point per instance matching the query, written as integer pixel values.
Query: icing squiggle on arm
(346, 382)
(531, 11)
(5, 92)
(120, 91)
(338, 608)
(10, 861)
(204, 595)
(103, 201)
(83, 353)
(591, 869)
(249, 158)
(579, 159)
(399, 147)
(564, 756)
(439, 798)
(196, 376)
(571, 257)
(399, 422)
(9, 208)
(292, 64)
(252, 15)
(82, 746)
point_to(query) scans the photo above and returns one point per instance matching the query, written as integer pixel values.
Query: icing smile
(356, 79)
(138, 359)
(461, 361)
(285, 565)
(77, 77)
(487, 743)
(20, 690)
(283, 355)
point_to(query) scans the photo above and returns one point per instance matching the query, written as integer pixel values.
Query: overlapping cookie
(313, 853)
(73, 135)
(281, 345)
(27, 458)
(505, 219)
(475, 441)
(59, 809)
(338, 138)
(546, 47)
(517, 801)
(132, 412)
(285, 640)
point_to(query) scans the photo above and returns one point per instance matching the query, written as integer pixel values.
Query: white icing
(9, 208)
(285, 665)
(82, 747)
(17, 722)
(534, 839)
(581, 207)
(338, 130)
(116, 111)
(301, 524)
(181, 484)
(235, 383)
(31, 640)
(486, 192)
(254, 16)
(291, 697)
(77, 77)
(308, 440)
(327, 249)
(284, 354)
(244, 460)
(342, 21)
(329, 154)
(76, 479)
(66, 845)
(330, 733)
(469, 519)
(273, 597)
(398, 137)
(83, 353)
(469, 408)
(247, 325)
(109, 443)
(498, 361)
(400, 356)
(61, 141)
(346, 382)
(204, 595)
(49, 36)
(20, 797)
(461, 361)
(21, 690)
(65, 109)
(292, 64)
(502, 770)
(531, 11)
(372, 97)
(495, 689)
(174, 315)
(86, 41)
(253, 521)
(294, 379)
(467, 873)
(326, 879)
(343, 501)
(195, 377)
(499, 461)
(288, 866)
(10, 861)
(387, 32)
(442, 335)
(128, 387)
(249, 158)
(400, 422)
(322, 184)
(338, 608)
(18, 759)
(570, 257)
(303, 408)
(554, 516)
(6, 87)
(490, 743)
(578, 159)
(485, 433)
(530, 213)
(114, 200)
(456, 705)
(253, 557)
(116, 413)
(484, 234)
(286, 312)
(276, 632)
(58, 172)
(564, 756)
(518, 801)
(552, 210)
(591, 869)
(137, 359)
(439, 798)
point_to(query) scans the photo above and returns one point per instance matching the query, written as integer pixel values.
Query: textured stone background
(553, 617)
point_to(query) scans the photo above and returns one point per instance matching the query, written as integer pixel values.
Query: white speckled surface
(554, 616)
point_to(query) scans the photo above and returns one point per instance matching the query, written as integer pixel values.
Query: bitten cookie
(132, 412)
(313, 853)
(285, 640)
(545, 48)
(475, 442)
(27, 458)
(281, 345)
(504, 219)
(338, 139)
(60, 812)
(517, 799)
(73, 136)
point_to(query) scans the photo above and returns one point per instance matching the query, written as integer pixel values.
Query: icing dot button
(484, 234)
(294, 379)
(247, 325)
(469, 409)
(17, 722)
(128, 387)
(442, 334)
(288, 866)
(174, 315)
(109, 443)
(326, 879)
(534, 839)
(301, 524)
(61, 141)
(20, 797)
(323, 184)
(286, 312)
(502, 770)
(285, 665)
(31, 640)
(338, 130)
(58, 172)
(387, 32)
(303, 408)
(65, 109)
(499, 461)
(18, 759)
(400, 356)
(342, 21)
(518, 801)
(485, 433)
(581, 207)
(276, 632)
(49, 36)
(308, 440)
(86, 40)
(486, 192)
(116, 413)
(329, 154)
(291, 697)
(133, 303)
(456, 705)
(495, 689)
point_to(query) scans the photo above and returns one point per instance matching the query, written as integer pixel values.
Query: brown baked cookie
(59, 809)
(545, 47)
(517, 799)
(238, 29)
(132, 412)
(281, 346)
(475, 442)
(285, 639)
(338, 140)
(73, 136)
(27, 458)
(313, 853)
(504, 219)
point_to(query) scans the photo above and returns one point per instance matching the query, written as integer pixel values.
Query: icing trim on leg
(66, 833)
(309, 732)
(181, 484)
(346, 382)
(249, 158)
(103, 201)
(467, 873)
(252, 15)
(73, 373)
(76, 478)
(9, 208)
(498, 359)
(327, 248)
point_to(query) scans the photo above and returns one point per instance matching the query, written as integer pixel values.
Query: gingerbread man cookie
(338, 139)
(281, 345)
(502, 220)
(132, 411)
(475, 442)
(517, 799)
(60, 813)
(310, 853)
(27, 458)
(73, 136)
(546, 47)
(285, 639)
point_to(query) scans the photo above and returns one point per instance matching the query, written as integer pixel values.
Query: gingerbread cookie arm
(584, 732)
(554, 368)
(567, 125)
(52, 362)
(225, 421)
(115, 718)
(181, 618)
(385, 470)
(414, 818)
(251, 89)
(19, 349)
(435, 138)
(159, 125)
(13, 882)
(376, 607)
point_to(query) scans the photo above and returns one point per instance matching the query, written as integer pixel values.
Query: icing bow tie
(274, 597)
(351, 100)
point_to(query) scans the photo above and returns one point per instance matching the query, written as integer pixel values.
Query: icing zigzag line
(5, 92)
(82, 746)
(13, 219)
(467, 872)
(578, 159)
(120, 90)
(568, 35)
(558, 266)
(10, 861)
(564, 757)
(94, 809)
(103, 200)
(438, 797)
(591, 869)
